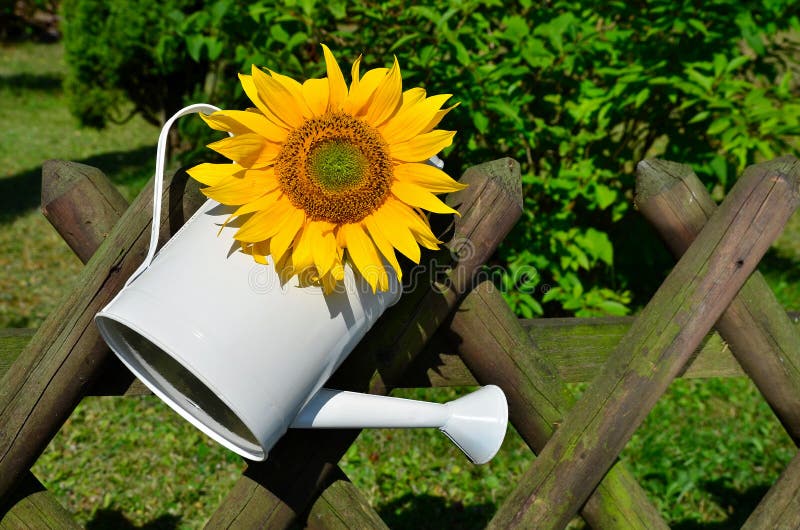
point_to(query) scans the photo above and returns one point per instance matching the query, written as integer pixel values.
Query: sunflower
(325, 174)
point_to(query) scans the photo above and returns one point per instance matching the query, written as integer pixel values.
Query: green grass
(705, 455)
(36, 265)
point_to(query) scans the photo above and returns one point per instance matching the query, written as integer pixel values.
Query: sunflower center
(336, 168)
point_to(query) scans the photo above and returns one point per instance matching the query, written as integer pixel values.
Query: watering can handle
(158, 184)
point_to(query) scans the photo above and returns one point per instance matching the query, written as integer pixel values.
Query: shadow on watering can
(243, 361)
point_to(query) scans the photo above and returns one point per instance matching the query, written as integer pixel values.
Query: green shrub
(577, 91)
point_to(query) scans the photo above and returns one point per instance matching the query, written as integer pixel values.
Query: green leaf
(516, 28)
(194, 45)
(605, 196)
(279, 34)
(641, 97)
(480, 121)
(611, 307)
(698, 25)
(700, 116)
(704, 81)
(718, 125)
(214, 47)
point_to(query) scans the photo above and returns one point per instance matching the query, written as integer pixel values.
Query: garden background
(576, 92)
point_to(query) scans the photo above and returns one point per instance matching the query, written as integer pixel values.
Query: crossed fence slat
(537, 394)
(656, 348)
(755, 326)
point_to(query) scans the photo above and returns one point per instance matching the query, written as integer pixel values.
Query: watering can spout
(476, 423)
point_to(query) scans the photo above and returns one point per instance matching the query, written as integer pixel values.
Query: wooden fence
(450, 332)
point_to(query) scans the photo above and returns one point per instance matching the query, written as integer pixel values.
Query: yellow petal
(422, 147)
(268, 199)
(411, 120)
(244, 148)
(408, 217)
(315, 92)
(240, 122)
(438, 118)
(390, 219)
(282, 240)
(383, 244)
(355, 75)
(417, 196)
(280, 100)
(266, 223)
(365, 257)
(361, 91)
(412, 96)
(387, 97)
(260, 251)
(302, 250)
(249, 86)
(427, 176)
(240, 190)
(296, 90)
(336, 85)
(212, 174)
(220, 122)
(424, 236)
(323, 246)
(267, 155)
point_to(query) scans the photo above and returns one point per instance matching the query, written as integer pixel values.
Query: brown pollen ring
(369, 189)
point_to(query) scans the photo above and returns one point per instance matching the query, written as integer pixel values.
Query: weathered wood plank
(342, 506)
(273, 493)
(48, 379)
(30, 506)
(780, 507)
(758, 330)
(101, 207)
(498, 350)
(577, 348)
(655, 350)
(83, 206)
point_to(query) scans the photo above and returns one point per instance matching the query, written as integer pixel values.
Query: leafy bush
(577, 91)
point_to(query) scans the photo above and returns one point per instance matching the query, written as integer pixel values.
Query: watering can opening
(181, 389)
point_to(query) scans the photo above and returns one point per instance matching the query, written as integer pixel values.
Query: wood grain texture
(342, 506)
(30, 506)
(498, 350)
(655, 349)
(576, 348)
(755, 326)
(100, 208)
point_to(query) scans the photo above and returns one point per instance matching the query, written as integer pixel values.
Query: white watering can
(242, 358)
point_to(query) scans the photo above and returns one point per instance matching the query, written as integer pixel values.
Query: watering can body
(244, 357)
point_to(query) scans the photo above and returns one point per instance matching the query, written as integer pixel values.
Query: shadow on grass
(426, 511)
(115, 520)
(738, 504)
(785, 266)
(22, 192)
(27, 82)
